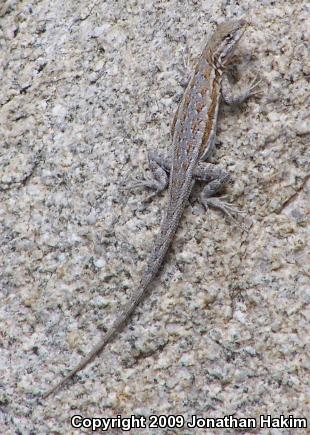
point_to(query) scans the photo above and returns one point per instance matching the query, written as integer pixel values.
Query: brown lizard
(194, 129)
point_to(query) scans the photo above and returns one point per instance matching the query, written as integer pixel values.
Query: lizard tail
(156, 258)
(87, 359)
(116, 327)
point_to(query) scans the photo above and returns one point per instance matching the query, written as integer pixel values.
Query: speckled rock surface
(86, 90)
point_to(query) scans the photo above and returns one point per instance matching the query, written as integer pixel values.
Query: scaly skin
(194, 130)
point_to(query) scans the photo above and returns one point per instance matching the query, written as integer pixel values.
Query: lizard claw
(253, 87)
(149, 184)
(137, 183)
(225, 207)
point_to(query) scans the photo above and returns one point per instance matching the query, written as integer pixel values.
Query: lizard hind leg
(216, 178)
(159, 180)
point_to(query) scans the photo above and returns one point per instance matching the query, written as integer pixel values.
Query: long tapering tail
(164, 239)
(118, 324)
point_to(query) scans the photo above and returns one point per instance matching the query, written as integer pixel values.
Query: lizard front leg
(232, 97)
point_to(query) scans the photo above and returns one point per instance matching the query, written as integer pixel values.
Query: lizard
(193, 137)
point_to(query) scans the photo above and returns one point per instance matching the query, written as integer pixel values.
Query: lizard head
(224, 41)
